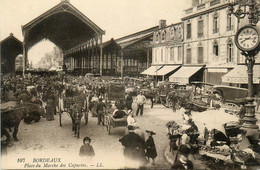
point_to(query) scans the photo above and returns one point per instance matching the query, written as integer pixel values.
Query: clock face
(247, 38)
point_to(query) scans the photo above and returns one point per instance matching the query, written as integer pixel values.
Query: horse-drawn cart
(111, 122)
(116, 93)
(76, 107)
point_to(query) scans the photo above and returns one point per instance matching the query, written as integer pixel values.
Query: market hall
(69, 29)
(128, 55)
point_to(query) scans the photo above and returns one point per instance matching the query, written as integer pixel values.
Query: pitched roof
(136, 37)
(63, 24)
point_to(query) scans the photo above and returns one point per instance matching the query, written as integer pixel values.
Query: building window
(188, 59)
(157, 37)
(229, 51)
(188, 30)
(215, 24)
(172, 54)
(179, 53)
(200, 28)
(163, 36)
(229, 22)
(161, 54)
(200, 55)
(172, 33)
(105, 61)
(109, 61)
(215, 48)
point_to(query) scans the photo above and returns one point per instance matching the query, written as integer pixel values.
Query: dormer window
(157, 37)
(163, 35)
(172, 33)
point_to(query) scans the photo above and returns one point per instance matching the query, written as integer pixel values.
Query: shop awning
(239, 75)
(167, 69)
(184, 73)
(151, 70)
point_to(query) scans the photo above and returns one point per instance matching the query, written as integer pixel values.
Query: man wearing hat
(101, 106)
(129, 101)
(86, 150)
(133, 144)
(182, 163)
(140, 100)
(181, 159)
(140, 132)
(150, 147)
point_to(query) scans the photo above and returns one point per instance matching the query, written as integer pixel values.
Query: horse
(75, 107)
(76, 115)
(12, 118)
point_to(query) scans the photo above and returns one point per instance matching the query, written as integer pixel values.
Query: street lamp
(245, 7)
(247, 40)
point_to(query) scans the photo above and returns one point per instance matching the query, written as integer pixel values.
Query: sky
(117, 17)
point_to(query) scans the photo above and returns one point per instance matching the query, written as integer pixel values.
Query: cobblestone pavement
(46, 139)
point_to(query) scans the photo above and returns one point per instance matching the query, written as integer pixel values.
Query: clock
(247, 38)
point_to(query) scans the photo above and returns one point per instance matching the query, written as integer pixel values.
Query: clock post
(247, 40)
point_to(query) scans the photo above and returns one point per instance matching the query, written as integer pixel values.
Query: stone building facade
(167, 50)
(167, 44)
(209, 38)
(209, 33)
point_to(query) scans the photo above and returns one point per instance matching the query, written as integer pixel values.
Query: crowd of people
(47, 90)
(50, 92)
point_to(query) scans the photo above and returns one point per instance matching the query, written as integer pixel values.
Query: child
(86, 150)
(150, 147)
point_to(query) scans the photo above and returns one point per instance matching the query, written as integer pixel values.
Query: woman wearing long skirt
(49, 110)
(150, 147)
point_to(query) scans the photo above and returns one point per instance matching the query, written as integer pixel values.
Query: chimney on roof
(162, 24)
(195, 2)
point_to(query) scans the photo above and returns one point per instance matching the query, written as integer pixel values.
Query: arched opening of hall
(77, 37)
